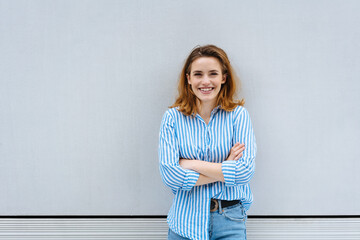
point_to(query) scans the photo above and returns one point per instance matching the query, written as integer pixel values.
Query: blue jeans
(225, 223)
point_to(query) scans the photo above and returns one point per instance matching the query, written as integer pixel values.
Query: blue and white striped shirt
(190, 137)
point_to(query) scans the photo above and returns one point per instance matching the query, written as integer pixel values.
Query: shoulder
(172, 115)
(240, 112)
(173, 112)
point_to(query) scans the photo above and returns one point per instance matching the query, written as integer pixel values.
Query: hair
(186, 101)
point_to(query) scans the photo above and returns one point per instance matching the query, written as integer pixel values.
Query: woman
(207, 151)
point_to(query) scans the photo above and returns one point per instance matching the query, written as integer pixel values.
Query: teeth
(205, 89)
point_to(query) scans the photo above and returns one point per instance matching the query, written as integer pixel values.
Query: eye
(214, 74)
(197, 74)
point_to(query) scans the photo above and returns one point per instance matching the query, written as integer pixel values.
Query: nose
(205, 80)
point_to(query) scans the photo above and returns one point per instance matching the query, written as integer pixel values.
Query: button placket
(208, 143)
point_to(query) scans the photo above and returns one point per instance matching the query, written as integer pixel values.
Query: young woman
(207, 151)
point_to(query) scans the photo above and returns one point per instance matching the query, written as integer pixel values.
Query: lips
(206, 90)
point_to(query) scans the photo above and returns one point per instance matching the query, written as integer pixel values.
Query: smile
(206, 90)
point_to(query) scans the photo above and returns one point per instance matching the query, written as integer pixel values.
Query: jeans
(225, 223)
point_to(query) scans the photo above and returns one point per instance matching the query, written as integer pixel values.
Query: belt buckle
(216, 205)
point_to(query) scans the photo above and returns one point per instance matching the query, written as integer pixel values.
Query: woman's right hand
(236, 152)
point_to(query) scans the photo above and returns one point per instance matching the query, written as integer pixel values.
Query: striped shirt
(190, 137)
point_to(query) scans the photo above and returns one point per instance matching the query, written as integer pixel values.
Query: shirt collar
(216, 109)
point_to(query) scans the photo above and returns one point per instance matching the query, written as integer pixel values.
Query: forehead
(206, 64)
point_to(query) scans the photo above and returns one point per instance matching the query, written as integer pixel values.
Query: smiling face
(205, 79)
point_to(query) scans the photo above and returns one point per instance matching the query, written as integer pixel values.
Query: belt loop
(220, 207)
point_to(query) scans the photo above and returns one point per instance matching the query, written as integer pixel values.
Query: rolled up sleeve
(172, 174)
(239, 172)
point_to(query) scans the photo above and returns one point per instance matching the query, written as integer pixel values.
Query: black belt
(224, 203)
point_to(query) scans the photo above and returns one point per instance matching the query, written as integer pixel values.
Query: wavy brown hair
(186, 101)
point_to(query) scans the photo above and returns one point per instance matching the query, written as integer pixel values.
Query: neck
(204, 109)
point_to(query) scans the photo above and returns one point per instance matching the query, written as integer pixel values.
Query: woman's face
(206, 79)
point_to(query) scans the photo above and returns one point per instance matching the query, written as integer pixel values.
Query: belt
(214, 205)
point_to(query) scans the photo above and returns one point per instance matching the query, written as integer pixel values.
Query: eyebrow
(199, 71)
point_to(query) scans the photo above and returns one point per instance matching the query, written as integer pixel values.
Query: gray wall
(84, 84)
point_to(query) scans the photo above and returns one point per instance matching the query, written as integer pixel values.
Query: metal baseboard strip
(156, 228)
(75, 228)
(304, 228)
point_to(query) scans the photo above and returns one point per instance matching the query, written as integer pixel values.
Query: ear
(224, 79)
(188, 78)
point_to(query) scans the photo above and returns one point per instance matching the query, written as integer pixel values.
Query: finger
(238, 145)
(233, 151)
(234, 154)
(242, 145)
(237, 152)
(238, 156)
(235, 147)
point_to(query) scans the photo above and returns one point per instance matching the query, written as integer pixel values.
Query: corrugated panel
(155, 228)
(92, 228)
(304, 228)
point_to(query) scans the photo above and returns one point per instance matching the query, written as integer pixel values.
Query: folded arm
(172, 174)
(203, 180)
(239, 167)
(240, 172)
(211, 172)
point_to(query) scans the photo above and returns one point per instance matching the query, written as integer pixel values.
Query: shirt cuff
(190, 179)
(228, 169)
